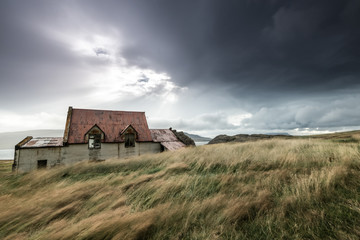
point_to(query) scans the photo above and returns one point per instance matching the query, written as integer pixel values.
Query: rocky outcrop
(244, 138)
(183, 138)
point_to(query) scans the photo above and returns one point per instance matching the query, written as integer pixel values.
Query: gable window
(94, 141)
(129, 140)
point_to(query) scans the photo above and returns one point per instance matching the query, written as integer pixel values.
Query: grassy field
(5, 166)
(350, 136)
(271, 189)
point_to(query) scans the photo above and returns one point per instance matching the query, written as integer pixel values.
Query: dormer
(94, 137)
(129, 135)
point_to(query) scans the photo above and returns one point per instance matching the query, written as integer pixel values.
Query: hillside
(197, 138)
(273, 189)
(245, 138)
(350, 136)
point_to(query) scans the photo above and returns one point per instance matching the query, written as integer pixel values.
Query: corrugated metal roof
(112, 123)
(44, 142)
(163, 135)
(167, 138)
(172, 146)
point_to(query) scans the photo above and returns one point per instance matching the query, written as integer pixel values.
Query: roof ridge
(46, 137)
(101, 110)
(160, 129)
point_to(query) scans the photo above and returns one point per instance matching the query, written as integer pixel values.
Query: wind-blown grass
(273, 189)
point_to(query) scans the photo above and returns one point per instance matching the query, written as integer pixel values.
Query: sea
(7, 154)
(200, 143)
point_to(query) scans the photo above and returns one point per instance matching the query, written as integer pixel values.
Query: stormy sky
(206, 66)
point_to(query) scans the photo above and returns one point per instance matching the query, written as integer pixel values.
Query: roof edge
(159, 129)
(95, 125)
(67, 125)
(102, 110)
(126, 128)
(23, 142)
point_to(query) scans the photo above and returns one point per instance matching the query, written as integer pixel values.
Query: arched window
(129, 140)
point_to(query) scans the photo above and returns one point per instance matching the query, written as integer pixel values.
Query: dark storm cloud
(249, 45)
(288, 63)
(274, 46)
(33, 68)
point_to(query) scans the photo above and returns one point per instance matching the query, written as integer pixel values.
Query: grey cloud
(313, 114)
(212, 43)
(215, 121)
(232, 51)
(144, 79)
(294, 22)
(35, 66)
(284, 61)
(100, 51)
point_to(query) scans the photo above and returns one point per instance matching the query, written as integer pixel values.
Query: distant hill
(244, 138)
(281, 133)
(350, 136)
(9, 139)
(197, 138)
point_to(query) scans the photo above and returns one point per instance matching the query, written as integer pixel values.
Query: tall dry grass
(274, 189)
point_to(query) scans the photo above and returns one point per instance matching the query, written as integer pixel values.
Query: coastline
(7, 154)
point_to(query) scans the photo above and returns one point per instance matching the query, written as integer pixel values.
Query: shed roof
(172, 146)
(167, 138)
(163, 135)
(43, 142)
(112, 123)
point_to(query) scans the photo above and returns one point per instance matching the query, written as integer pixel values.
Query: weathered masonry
(94, 135)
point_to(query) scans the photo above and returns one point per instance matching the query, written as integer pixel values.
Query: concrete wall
(27, 158)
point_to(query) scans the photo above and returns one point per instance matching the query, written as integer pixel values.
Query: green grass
(271, 189)
(341, 137)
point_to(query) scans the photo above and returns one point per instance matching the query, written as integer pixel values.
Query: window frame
(94, 141)
(129, 142)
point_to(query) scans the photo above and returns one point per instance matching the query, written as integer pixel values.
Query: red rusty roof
(163, 135)
(43, 142)
(112, 123)
(167, 138)
(172, 146)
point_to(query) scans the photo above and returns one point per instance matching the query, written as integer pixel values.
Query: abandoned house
(94, 135)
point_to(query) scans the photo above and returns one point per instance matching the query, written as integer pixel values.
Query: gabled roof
(112, 123)
(126, 128)
(94, 127)
(167, 138)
